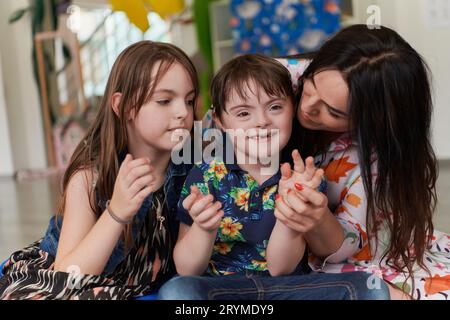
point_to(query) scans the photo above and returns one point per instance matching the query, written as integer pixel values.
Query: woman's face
(324, 102)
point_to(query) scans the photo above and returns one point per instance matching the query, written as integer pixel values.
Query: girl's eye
(163, 102)
(242, 114)
(190, 103)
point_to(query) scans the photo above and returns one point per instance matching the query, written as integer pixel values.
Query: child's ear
(115, 102)
(216, 120)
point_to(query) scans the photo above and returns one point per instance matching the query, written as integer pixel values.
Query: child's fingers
(298, 162)
(141, 183)
(124, 166)
(310, 168)
(208, 213)
(143, 194)
(317, 179)
(136, 173)
(138, 162)
(286, 172)
(201, 205)
(214, 222)
(191, 198)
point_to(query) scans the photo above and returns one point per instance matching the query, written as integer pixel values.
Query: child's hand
(206, 214)
(302, 175)
(133, 184)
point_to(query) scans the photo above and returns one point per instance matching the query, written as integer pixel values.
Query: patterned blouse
(348, 201)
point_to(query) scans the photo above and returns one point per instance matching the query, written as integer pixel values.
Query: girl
(117, 234)
(366, 112)
(228, 229)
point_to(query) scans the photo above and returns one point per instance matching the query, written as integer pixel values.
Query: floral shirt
(248, 221)
(347, 199)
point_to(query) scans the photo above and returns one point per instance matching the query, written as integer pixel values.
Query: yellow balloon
(135, 11)
(166, 8)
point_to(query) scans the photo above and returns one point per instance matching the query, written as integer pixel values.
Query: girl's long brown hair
(390, 108)
(107, 139)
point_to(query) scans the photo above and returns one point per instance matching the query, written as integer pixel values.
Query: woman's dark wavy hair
(390, 107)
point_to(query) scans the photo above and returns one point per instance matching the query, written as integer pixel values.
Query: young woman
(120, 187)
(365, 110)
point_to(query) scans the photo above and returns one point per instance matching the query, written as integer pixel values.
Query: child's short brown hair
(265, 72)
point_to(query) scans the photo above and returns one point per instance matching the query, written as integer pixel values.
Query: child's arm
(285, 249)
(195, 243)
(286, 245)
(87, 243)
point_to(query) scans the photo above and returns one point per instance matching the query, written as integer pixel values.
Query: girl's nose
(181, 110)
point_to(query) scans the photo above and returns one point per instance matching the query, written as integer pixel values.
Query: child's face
(265, 122)
(170, 108)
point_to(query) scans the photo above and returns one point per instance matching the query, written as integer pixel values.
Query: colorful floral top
(347, 199)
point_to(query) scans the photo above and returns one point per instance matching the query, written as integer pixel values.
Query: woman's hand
(307, 175)
(133, 184)
(302, 209)
(206, 214)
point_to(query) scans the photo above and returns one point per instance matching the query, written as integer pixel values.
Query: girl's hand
(133, 184)
(307, 175)
(302, 209)
(206, 214)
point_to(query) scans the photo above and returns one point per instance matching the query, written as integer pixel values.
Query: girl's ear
(115, 102)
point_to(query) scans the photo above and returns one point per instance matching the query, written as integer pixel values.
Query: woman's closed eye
(163, 102)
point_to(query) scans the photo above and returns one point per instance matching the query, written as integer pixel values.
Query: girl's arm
(195, 243)
(285, 249)
(86, 243)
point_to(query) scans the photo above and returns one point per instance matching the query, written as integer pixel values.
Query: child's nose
(181, 110)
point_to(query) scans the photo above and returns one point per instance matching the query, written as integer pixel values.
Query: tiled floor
(26, 207)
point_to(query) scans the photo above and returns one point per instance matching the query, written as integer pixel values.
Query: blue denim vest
(176, 174)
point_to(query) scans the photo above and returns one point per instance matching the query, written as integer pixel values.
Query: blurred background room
(55, 56)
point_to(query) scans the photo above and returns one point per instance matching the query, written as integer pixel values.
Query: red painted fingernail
(289, 190)
(277, 197)
(299, 187)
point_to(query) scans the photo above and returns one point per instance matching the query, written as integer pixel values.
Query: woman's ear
(115, 102)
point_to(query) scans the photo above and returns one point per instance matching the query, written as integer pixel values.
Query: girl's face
(171, 107)
(261, 124)
(323, 105)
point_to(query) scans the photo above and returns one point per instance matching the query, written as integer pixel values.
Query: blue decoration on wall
(283, 27)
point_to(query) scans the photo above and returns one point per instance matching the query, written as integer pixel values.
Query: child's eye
(276, 107)
(242, 114)
(190, 103)
(163, 102)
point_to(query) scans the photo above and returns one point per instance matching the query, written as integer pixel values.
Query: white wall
(409, 19)
(6, 165)
(21, 95)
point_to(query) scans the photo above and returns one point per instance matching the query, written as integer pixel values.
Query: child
(117, 235)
